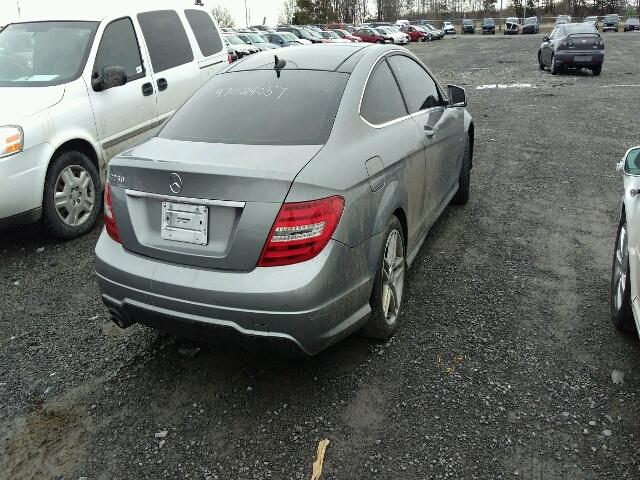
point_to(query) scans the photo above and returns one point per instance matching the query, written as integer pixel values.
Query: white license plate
(582, 58)
(182, 222)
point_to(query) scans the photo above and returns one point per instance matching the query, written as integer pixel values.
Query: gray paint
(378, 170)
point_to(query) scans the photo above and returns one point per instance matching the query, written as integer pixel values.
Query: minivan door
(126, 114)
(176, 75)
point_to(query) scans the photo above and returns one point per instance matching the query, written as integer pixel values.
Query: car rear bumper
(308, 306)
(573, 58)
(22, 183)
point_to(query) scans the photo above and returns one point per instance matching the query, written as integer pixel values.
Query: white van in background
(78, 88)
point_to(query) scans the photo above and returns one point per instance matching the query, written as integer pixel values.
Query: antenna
(279, 65)
(18, 5)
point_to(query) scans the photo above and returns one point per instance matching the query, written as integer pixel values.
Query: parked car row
(531, 25)
(610, 22)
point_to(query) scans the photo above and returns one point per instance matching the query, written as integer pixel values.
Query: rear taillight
(109, 217)
(301, 231)
(229, 58)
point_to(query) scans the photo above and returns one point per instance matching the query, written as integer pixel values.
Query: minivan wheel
(596, 70)
(71, 200)
(540, 64)
(388, 285)
(621, 312)
(464, 180)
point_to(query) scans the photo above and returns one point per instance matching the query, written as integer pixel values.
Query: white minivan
(77, 89)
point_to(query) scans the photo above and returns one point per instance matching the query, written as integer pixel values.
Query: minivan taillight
(301, 231)
(109, 217)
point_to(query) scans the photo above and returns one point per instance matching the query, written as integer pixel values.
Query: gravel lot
(502, 367)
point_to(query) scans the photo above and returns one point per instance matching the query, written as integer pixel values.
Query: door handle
(163, 84)
(147, 89)
(429, 131)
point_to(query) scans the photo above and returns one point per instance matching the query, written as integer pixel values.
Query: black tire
(621, 317)
(540, 64)
(464, 180)
(597, 70)
(51, 221)
(378, 327)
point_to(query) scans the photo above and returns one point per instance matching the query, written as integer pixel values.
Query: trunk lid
(237, 191)
(577, 41)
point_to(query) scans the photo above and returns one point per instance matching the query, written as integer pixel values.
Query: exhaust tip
(120, 320)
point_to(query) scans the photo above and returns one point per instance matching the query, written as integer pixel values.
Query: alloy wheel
(75, 196)
(393, 266)
(620, 268)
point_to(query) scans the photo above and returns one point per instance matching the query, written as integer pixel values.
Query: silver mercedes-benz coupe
(284, 202)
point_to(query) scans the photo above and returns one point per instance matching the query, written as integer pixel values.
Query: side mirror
(631, 162)
(545, 39)
(457, 96)
(111, 77)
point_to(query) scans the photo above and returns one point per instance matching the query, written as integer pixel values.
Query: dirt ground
(501, 368)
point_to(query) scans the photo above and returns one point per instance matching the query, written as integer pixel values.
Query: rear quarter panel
(339, 169)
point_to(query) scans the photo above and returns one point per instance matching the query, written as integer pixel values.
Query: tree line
(305, 12)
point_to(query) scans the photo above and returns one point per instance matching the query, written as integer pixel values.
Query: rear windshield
(467, 22)
(633, 21)
(611, 18)
(530, 20)
(489, 21)
(580, 29)
(258, 108)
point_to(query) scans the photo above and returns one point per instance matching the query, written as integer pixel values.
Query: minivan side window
(205, 31)
(166, 39)
(382, 102)
(419, 89)
(119, 48)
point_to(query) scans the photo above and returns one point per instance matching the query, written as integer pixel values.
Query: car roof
(77, 10)
(326, 57)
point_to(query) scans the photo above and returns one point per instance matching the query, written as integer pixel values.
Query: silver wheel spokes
(75, 196)
(620, 268)
(392, 277)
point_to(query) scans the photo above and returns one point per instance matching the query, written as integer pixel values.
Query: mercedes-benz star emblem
(175, 183)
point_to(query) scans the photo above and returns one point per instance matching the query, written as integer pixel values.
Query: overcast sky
(257, 8)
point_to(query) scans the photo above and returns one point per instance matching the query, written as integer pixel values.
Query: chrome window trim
(187, 200)
(366, 84)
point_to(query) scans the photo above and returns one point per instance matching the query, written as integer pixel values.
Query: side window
(166, 39)
(119, 48)
(205, 31)
(382, 102)
(419, 89)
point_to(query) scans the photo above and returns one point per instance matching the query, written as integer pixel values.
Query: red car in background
(369, 35)
(346, 35)
(416, 33)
